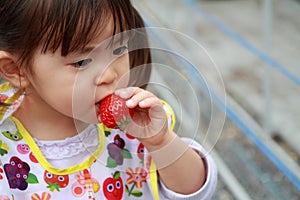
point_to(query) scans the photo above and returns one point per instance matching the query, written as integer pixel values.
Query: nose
(108, 76)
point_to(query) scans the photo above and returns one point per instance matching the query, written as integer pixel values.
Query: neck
(47, 124)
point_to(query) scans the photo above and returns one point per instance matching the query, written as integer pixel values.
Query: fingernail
(121, 93)
(130, 103)
(142, 103)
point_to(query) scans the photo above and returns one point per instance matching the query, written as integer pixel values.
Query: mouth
(97, 108)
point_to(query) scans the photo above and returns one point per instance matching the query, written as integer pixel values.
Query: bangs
(65, 25)
(72, 24)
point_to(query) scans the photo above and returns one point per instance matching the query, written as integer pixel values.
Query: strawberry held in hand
(114, 113)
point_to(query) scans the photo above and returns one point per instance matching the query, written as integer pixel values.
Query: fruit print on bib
(117, 153)
(85, 183)
(113, 187)
(55, 182)
(18, 175)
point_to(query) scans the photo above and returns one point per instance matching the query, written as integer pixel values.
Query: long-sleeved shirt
(98, 163)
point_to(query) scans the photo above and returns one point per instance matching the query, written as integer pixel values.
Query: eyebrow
(119, 39)
(86, 49)
(114, 40)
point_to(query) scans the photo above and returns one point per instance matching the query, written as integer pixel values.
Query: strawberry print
(114, 113)
(56, 182)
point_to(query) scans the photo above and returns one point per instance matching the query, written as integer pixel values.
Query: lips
(97, 108)
(97, 105)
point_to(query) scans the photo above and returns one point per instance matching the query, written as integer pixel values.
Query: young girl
(60, 58)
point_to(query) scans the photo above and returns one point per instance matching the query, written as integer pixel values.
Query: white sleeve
(207, 190)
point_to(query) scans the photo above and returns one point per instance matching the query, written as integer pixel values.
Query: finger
(149, 102)
(128, 92)
(147, 123)
(142, 99)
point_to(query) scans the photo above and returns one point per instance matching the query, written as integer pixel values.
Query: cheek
(78, 104)
(56, 92)
(61, 99)
(83, 100)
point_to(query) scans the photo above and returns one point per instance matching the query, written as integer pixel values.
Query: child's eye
(82, 63)
(120, 50)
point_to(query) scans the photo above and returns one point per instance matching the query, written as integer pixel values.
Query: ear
(10, 71)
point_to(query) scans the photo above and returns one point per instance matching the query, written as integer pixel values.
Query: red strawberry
(114, 113)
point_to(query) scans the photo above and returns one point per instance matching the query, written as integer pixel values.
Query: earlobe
(10, 71)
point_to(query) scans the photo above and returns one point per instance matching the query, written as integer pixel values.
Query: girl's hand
(149, 124)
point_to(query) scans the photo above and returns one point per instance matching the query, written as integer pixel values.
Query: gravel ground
(260, 178)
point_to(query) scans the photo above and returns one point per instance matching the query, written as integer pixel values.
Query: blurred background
(233, 68)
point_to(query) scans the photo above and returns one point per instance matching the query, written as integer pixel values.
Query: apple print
(113, 187)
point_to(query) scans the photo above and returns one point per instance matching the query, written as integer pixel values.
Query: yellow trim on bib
(153, 180)
(153, 170)
(169, 112)
(43, 161)
(5, 86)
(10, 100)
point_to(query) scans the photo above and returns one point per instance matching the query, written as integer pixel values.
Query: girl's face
(72, 86)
